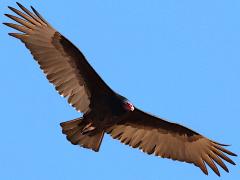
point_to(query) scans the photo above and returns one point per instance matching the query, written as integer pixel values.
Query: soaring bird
(105, 111)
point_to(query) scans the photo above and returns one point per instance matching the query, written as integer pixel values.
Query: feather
(33, 21)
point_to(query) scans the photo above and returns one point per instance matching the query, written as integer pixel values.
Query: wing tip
(12, 34)
(227, 170)
(16, 35)
(39, 16)
(11, 8)
(6, 24)
(233, 154)
(8, 15)
(32, 8)
(19, 4)
(233, 163)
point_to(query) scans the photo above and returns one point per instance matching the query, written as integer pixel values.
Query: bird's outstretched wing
(169, 140)
(64, 65)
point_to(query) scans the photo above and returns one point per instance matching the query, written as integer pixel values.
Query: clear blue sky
(179, 60)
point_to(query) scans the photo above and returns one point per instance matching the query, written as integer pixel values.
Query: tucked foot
(88, 128)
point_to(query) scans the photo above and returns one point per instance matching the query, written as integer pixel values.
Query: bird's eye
(129, 106)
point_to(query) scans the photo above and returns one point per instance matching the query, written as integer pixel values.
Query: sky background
(176, 59)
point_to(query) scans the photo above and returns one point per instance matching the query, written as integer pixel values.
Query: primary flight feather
(105, 111)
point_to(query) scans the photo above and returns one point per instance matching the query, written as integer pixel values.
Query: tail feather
(73, 130)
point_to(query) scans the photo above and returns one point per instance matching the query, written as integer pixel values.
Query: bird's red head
(128, 106)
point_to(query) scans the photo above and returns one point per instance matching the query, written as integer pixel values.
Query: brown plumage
(103, 109)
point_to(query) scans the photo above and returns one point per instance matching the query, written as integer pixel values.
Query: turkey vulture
(105, 111)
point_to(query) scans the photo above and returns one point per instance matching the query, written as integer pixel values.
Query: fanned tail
(73, 130)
